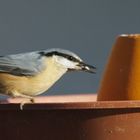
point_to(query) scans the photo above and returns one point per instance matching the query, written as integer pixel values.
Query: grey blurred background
(86, 27)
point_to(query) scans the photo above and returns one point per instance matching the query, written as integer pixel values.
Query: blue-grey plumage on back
(21, 64)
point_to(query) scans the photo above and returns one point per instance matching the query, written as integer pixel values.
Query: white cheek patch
(65, 62)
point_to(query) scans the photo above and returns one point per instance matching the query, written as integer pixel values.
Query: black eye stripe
(72, 58)
(69, 57)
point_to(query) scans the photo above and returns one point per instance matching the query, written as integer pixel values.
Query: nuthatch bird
(29, 74)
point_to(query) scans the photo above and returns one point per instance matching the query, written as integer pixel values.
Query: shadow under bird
(29, 74)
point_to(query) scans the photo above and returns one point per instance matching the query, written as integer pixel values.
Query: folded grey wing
(27, 64)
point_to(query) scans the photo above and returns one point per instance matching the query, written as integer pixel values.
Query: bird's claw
(24, 102)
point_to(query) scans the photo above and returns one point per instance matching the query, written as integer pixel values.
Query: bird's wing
(27, 64)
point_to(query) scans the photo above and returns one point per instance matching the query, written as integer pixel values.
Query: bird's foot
(31, 100)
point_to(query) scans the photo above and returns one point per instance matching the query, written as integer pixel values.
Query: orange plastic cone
(121, 80)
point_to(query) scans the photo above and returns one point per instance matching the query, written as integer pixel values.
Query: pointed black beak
(87, 68)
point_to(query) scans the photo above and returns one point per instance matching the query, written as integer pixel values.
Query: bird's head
(68, 60)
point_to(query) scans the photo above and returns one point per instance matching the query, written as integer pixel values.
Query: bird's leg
(16, 94)
(31, 99)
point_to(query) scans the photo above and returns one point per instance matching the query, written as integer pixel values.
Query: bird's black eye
(70, 58)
